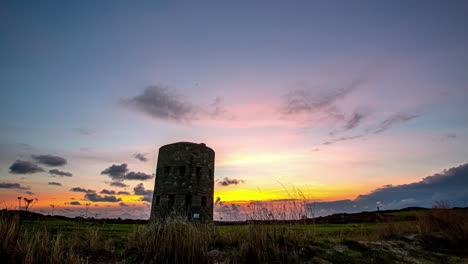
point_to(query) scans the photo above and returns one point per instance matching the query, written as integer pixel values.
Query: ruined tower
(184, 182)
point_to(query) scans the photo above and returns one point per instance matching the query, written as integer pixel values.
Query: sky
(316, 103)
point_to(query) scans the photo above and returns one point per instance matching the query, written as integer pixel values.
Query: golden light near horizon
(320, 193)
(319, 105)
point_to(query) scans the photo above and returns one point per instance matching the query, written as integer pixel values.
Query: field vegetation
(438, 235)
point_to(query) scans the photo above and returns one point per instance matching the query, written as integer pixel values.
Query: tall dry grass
(38, 245)
(267, 244)
(170, 241)
(445, 227)
(179, 241)
(21, 246)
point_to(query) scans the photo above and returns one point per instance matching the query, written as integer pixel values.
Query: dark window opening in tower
(167, 169)
(181, 170)
(180, 181)
(171, 200)
(188, 200)
(158, 199)
(198, 173)
(203, 201)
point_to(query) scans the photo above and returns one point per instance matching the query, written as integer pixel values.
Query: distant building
(184, 184)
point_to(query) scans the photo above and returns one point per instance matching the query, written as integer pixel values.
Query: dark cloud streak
(118, 184)
(17, 186)
(24, 167)
(226, 182)
(147, 194)
(119, 173)
(450, 185)
(116, 172)
(165, 104)
(141, 157)
(60, 173)
(50, 160)
(105, 191)
(94, 197)
(162, 103)
(140, 176)
(83, 190)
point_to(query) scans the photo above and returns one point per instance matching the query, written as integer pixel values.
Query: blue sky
(69, 70)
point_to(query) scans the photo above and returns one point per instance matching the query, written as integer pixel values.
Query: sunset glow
(303, 103)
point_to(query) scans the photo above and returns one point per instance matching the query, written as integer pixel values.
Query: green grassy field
(435, 236)
(319, 231)
(69, 227)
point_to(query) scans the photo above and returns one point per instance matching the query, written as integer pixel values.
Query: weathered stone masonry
(184, 182)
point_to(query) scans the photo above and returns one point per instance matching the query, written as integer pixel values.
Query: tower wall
(184, 184)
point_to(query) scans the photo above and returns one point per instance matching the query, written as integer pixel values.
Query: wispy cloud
(354, 121)
(301, 101)
(162, 103)
(393, 120)
(342, 139)
(218, 109)
(448, 136)
(54, 183)
(384, 125)
(83, 131)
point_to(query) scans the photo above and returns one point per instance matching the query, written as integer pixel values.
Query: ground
(414, 235)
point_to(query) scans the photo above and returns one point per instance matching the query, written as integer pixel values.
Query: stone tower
(184, 182)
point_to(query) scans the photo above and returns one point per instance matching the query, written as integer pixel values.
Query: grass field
(435, 236)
